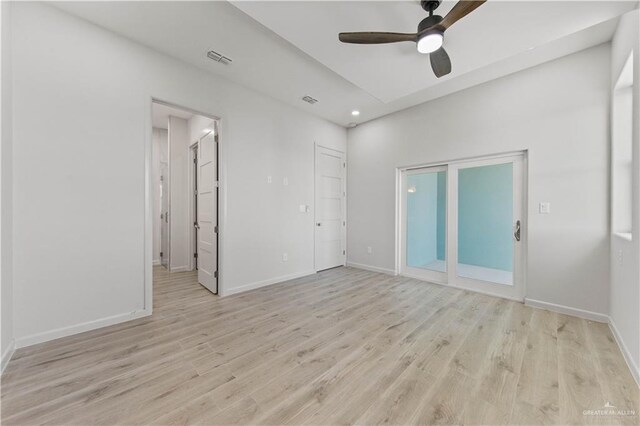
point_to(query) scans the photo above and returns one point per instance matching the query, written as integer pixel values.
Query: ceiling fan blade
(459, 11)
(375, 38)
(440, 62)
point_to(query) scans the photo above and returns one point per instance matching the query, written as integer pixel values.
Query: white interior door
(207, 212)
(462, 225)
(330, 208)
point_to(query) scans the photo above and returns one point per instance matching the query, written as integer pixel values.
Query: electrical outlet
(285, 257)
(369, 251)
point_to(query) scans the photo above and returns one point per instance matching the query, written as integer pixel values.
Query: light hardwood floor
(339, 347)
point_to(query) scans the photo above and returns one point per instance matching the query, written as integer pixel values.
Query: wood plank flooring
(340, 347)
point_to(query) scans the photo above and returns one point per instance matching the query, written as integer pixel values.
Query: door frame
(451, 248)
(192, 184)
(147, 308)
(343, 235)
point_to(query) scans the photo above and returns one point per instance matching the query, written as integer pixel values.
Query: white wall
(197, 125)
(179, 197)
(159, 155)
(6, 179)
(625, 255)
(89, 91)
(558, 111)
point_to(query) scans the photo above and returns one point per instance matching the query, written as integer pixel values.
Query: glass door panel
(485, 223)
(426, 220)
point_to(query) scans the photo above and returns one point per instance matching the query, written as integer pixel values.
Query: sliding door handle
(516, 234)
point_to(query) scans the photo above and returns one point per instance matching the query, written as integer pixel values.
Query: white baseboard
(46, 336)
(264, 283)
(180, 269)
(635, 372)
(580, 313)
(156, 262)
(371, 268)
(7, 354)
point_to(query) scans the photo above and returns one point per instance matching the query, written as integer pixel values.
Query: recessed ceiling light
(355, 112)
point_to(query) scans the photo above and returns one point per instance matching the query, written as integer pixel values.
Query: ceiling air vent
(308, 99)
(218, 57)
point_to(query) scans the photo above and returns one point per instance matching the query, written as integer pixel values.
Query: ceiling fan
(429, 36)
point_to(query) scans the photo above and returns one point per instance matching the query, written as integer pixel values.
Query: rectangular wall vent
(308, 99)
(218, 57)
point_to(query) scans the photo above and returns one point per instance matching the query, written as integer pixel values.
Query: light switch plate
(545, 207)
(285, 181)
(269, 180)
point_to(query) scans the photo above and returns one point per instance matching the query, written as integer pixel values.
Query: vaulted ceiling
(289, 49)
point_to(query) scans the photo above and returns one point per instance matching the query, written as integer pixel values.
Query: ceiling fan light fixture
(430, 41)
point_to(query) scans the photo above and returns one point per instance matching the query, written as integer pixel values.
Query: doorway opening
(185, 185)
(461, 223)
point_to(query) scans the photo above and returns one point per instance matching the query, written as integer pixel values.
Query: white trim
(186, 268)
(567, 310)
(147, 255)
(633, 367)
(264, 283)
(371, 268)
(6, 356)
(34, 339)
(156, 262)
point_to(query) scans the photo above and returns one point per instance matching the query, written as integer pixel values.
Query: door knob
(517, 233)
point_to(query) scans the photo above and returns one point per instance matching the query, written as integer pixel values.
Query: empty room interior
(320, 212)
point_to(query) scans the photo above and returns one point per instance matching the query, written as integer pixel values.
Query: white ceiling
(161, 113)
(289, 49)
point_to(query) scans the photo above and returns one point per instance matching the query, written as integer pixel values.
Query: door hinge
(161, 254)
(344, 165)
(195, 255)
(215, 229)
(161, 178)
(344, 252)
(215, 274)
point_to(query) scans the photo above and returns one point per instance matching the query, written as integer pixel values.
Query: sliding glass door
(462, 225)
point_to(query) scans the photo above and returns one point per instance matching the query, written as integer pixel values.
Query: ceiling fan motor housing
(429, 22)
